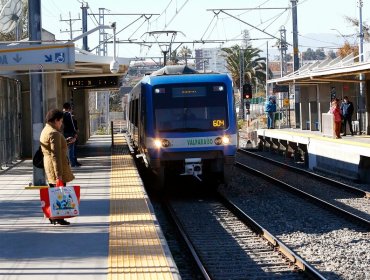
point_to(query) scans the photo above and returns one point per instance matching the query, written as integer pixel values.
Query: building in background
(211, 59)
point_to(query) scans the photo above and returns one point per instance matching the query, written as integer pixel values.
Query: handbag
(60, 202)
(38, 159)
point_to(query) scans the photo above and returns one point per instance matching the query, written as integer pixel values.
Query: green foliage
(311, 54)
(115, 102)
(101, 131)
(254, 64)
(240, 124)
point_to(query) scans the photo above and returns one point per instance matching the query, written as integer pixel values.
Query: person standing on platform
(347, 109)
(54, 148)
(270, 109)
(70, 132)
(75, 150)
(335, 110)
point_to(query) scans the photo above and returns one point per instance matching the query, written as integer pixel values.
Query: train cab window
(200, 107)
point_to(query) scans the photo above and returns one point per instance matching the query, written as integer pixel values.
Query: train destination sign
(37, 57)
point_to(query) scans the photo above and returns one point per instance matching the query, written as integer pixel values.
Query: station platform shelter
(309, 90)
(116, 235)
(347, 157)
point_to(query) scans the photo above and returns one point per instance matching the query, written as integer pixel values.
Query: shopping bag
(60, 202)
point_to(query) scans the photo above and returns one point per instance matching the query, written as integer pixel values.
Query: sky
(321, 23)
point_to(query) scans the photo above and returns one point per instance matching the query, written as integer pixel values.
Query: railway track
(352, 202)
(227, 244)
(333, 245)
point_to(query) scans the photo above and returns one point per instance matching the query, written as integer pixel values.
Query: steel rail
(334, 209)
(294, 258)
(318, 177)
(186, 239)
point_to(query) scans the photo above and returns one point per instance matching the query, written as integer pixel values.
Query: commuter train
(182, 122)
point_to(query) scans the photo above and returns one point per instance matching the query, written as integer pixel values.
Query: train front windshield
(190, 108)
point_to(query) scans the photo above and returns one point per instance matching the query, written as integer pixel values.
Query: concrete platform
(115, 237)
(348, 157)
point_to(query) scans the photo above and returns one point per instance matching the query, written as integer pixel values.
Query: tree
(254, 65)
(365, 27)
(311, 54)
(185, 53)
(347, 49)
(320, 54)
(331, 54)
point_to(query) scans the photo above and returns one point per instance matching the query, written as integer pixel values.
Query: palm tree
(254, 65)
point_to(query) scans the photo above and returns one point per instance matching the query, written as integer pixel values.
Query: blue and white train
(183, 123)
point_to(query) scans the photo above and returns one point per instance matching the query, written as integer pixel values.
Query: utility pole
(241, 81)
(283, 48)
(295, 35)
(102, 35)
(70, 23)
(267, 68)
(84, 25)
(37, 100)
(295, 88)
(361, 104)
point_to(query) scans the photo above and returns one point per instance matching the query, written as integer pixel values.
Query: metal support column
(37, 100)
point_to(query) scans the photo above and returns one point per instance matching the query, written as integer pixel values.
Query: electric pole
(102, 34)
(295, 88)
(295, 36)
(36, 88)
(70, 21)
(283, 48)
(361, 101)
(84, 25)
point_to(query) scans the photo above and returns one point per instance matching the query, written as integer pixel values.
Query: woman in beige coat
(54, 149)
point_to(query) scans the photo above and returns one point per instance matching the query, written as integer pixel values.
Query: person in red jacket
(335, 110)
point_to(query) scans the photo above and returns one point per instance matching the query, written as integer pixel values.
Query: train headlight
(161, 143)
(224, 140)
(157, 143)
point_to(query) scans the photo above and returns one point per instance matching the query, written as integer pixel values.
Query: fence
(10, 121)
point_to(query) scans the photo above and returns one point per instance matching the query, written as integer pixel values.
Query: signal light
(247, 91)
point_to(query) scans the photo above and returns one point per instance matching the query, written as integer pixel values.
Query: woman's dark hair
(54, 114)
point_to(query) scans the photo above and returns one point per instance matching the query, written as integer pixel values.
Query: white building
(210, 60)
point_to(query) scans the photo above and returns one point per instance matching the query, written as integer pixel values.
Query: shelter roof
(328, 70)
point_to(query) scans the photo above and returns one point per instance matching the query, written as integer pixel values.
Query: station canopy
(346, 70)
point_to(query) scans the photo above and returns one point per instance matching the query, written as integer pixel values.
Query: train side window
(136, 111)
(130, 112)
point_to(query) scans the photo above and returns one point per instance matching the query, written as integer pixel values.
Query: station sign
(93, 82)
(279, 88)
(37, 57)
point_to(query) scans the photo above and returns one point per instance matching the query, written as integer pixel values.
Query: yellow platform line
(135, 249)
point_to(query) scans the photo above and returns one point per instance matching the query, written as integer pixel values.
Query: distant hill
(322, 40)
(327, 41)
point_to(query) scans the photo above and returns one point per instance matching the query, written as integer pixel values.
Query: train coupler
(193, 166)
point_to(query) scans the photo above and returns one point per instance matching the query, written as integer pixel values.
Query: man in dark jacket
(70, 133)
(270, 109)
(347, 109)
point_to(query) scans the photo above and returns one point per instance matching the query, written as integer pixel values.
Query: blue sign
(35, 57)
